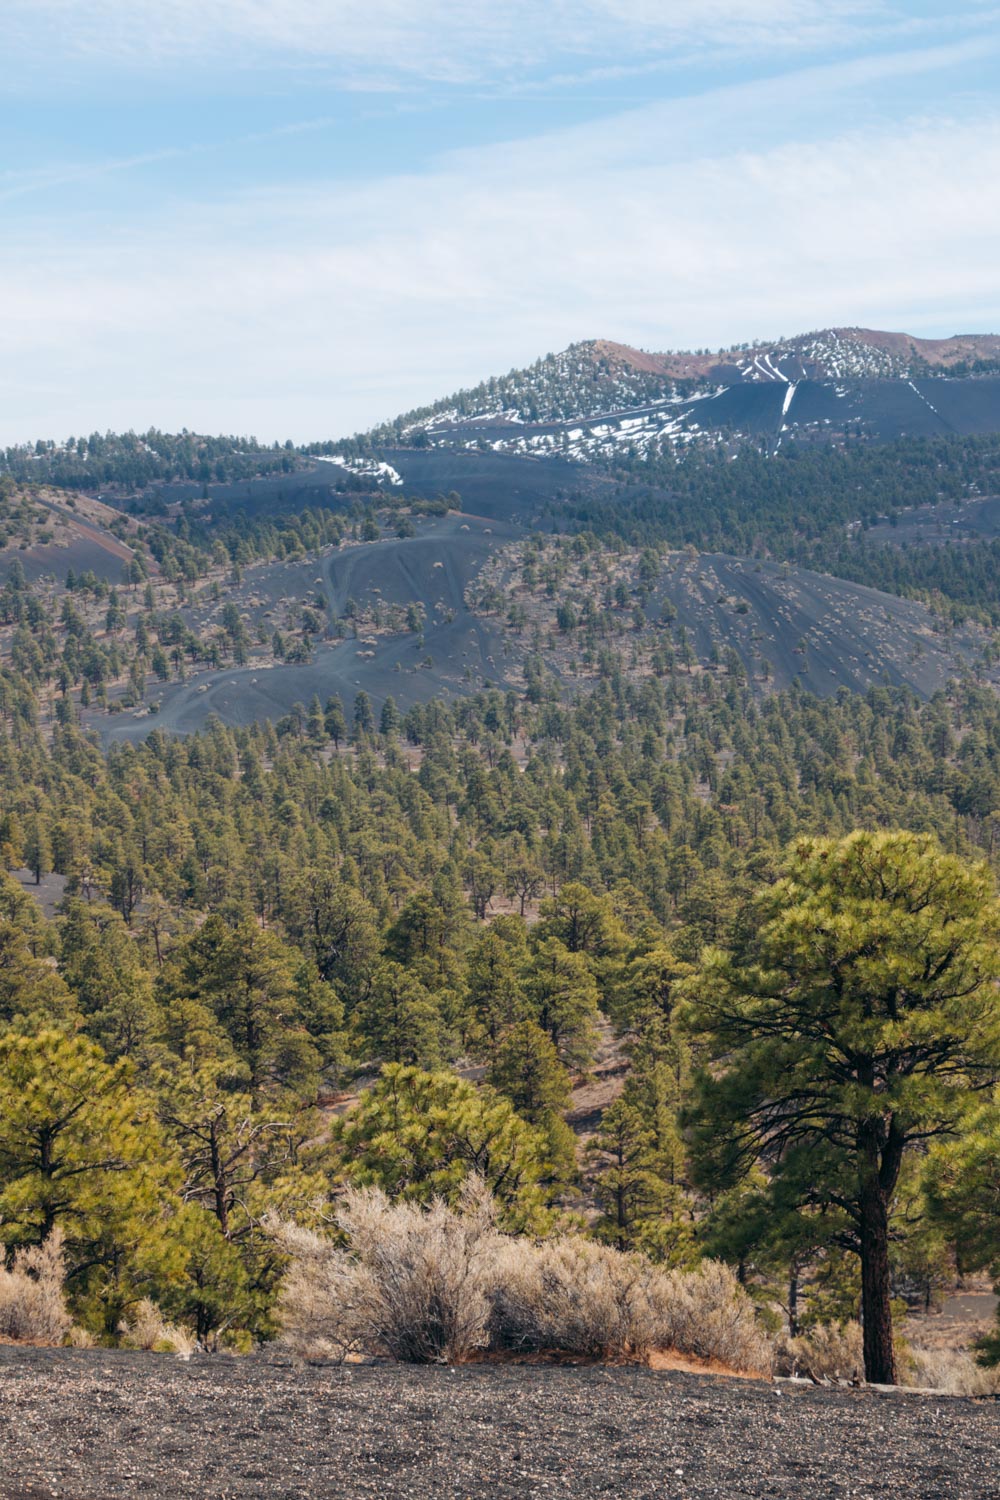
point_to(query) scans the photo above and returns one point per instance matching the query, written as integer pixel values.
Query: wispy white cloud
(457, 41)
(22, 183)
(800, 103)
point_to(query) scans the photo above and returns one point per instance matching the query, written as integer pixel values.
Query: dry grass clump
(148, 1329)
(32, 1304)
(435, 1285)
(827, 1351)
(954, 1371)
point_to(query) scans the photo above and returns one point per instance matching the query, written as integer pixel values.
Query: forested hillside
(822, 507)
(133, 461)
(250, 920)
(601, 853)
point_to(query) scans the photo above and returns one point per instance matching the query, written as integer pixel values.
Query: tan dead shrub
(574, 1296)
(328, 1304)
(327, 1301)
(411, 1282)
(32, 1302)
(147, 1328)
(708, 1314)
(954, 1371)
(433, 1283)
(827, 1351)
(568, 1296)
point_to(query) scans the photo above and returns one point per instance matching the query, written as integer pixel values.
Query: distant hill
(596, 400)
(47, 533)
(599, 398)
(133, 461)
(830, 354)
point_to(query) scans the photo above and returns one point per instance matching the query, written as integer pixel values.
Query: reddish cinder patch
(690, 1364)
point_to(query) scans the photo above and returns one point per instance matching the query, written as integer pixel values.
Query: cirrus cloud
(456, 41)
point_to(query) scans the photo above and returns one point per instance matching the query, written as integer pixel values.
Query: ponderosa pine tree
(422, 1135)
(525, 1069)
(32, 995)
(855, 1025)
(102, 965)
(627, 1186)
(225, 1144)
(81, 1150)
(37, 848)
(495, 998)
(562, 995)
(399, 1021)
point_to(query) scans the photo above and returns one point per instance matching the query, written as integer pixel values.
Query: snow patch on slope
(379, 471)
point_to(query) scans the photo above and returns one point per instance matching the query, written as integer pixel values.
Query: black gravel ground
(81, 1424)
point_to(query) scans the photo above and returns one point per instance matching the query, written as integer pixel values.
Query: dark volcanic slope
(766, 412)
(279, 494)
(460, 653)
(500, 485)
(952, 521)
(821, 631)
(79, 542)
(100, 1424)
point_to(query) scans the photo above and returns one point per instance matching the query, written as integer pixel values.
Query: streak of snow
(378, 471)
(923, 398)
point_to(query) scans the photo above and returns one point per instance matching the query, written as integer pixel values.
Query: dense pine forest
(383, 949)
(132, 460)
(817, 506)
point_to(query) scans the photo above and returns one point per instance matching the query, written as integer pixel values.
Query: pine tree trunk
(876, 1305)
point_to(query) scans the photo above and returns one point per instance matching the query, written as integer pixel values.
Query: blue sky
(297, 219)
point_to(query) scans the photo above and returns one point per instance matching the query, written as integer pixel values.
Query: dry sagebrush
(148, 1329)
(827, 1351)
(570, 1296)
(436, 1284)
(412, 1283)
(581, 1298)
(32, 1303)
(953, 1371)
(833, 1351)
(708, 1314)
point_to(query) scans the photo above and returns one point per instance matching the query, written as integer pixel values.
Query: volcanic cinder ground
(98, 1423)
